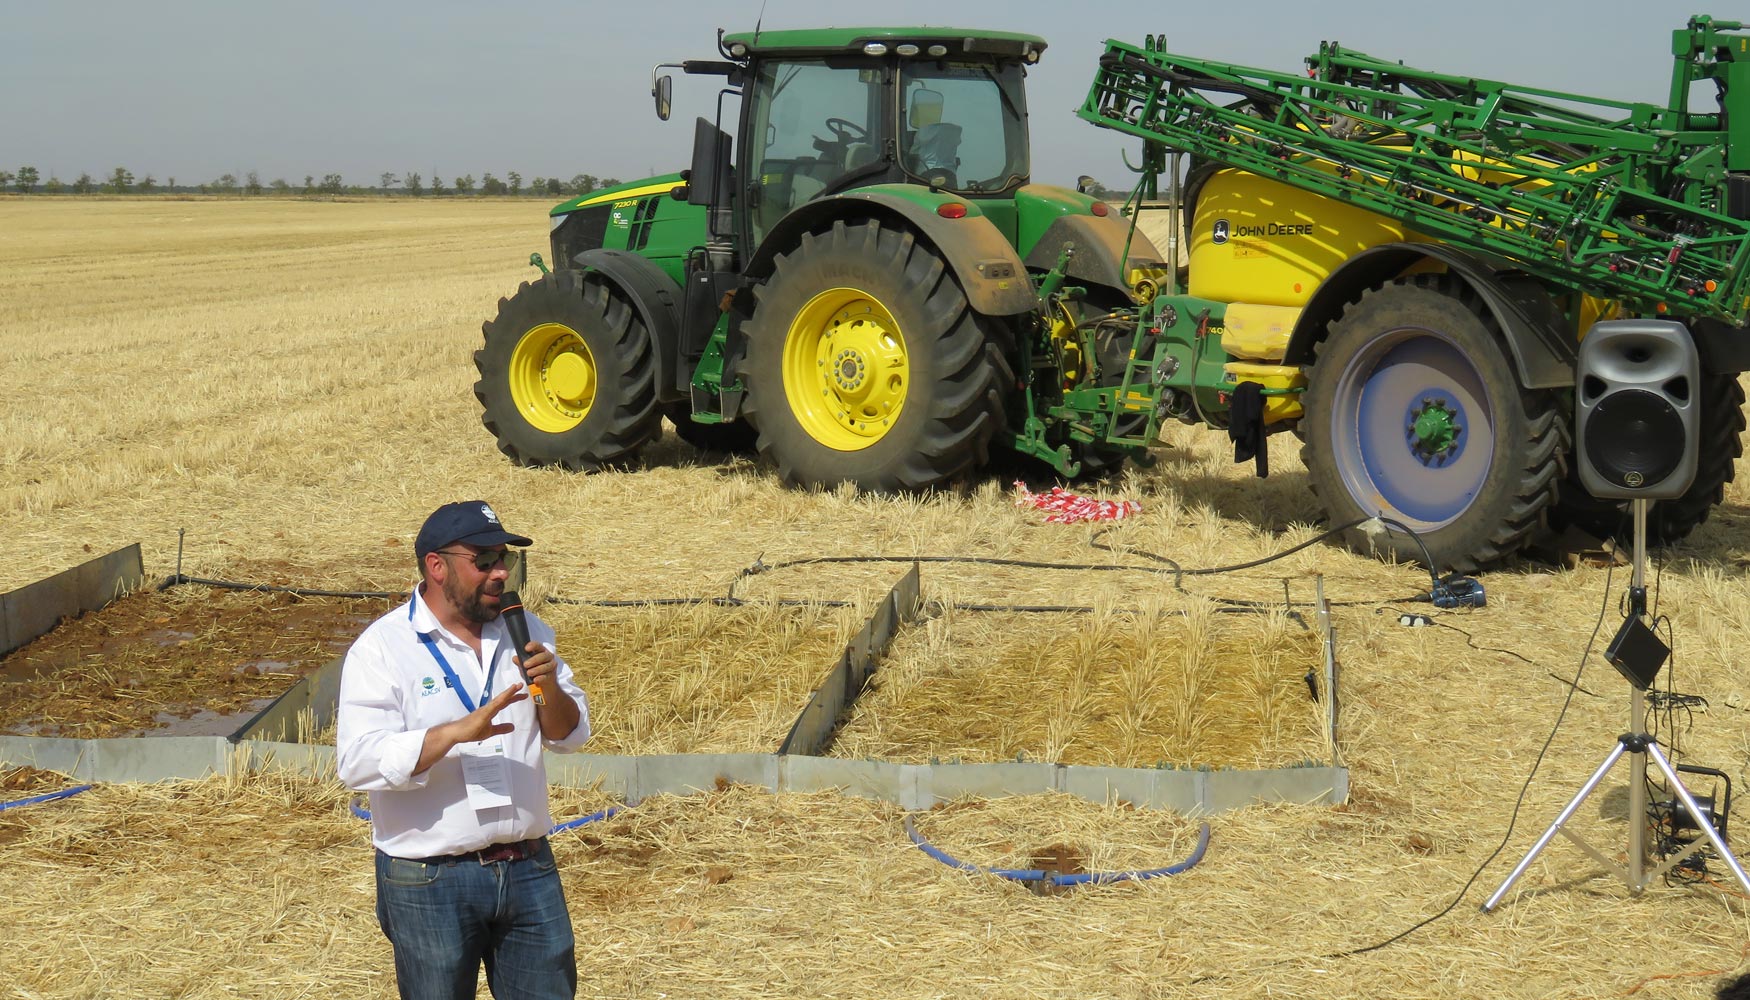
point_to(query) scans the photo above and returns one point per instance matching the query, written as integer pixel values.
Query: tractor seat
(859, 155)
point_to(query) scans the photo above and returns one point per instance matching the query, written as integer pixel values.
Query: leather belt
(516, 851)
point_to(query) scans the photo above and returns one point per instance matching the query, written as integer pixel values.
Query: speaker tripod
(1638, 747)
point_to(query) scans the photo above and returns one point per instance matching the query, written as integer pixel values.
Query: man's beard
(469, 602)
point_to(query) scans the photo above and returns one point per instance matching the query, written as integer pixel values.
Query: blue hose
(52, 796)
(1039, 875)
(591, 818)
(365, 814)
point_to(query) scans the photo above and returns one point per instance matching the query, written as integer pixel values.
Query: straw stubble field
(289, 382)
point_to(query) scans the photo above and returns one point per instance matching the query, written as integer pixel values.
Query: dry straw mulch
(261, 887)
(698, 679)
(319, 407)
(1120, 689)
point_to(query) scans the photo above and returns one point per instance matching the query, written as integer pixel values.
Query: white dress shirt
(392, 690)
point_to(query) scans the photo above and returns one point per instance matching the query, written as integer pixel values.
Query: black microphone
(510, 608)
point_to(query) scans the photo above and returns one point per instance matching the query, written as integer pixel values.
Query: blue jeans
(444, 920)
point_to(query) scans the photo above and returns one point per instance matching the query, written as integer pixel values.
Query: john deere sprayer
(1393, 264)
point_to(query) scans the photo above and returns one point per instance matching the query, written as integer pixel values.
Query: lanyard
(444, 665)
(450, 675)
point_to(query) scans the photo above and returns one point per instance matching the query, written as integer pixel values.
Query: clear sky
(193, 89)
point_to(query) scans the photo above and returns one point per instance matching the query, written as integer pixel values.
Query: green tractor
(852, 283)
(1394, 265)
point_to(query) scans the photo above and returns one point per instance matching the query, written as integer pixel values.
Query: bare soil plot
(187, 661)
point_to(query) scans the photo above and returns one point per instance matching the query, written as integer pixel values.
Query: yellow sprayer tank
(1255, 240)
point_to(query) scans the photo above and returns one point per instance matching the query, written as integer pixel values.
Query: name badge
(486, 771)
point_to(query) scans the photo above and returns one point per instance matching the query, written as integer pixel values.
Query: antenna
(757, 21)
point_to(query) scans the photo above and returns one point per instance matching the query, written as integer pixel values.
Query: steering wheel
(846, 132)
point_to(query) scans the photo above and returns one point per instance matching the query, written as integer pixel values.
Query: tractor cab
(831, 110)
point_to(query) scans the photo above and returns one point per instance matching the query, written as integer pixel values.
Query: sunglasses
(484, 561)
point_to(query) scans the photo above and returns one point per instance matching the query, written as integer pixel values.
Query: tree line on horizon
(28, 180)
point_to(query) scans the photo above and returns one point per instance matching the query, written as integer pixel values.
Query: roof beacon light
(875, 48)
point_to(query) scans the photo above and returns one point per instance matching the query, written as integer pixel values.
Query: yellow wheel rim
(552, 378)
(845, 369)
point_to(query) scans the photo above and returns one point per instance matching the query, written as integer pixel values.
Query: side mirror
(1086, 184)
(664, 94)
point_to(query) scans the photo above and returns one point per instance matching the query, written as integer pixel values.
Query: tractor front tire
(567, 375)
(866, 365)
(1415, 413)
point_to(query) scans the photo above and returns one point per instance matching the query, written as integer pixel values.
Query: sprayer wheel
(1414, 412)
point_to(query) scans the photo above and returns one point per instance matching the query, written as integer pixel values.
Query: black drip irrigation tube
(176, 579)
(50, 797)
(1036, 876)
(1165, 566)
(594, 817)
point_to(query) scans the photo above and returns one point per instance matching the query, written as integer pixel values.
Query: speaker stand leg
(1639, 747)
(1556, 827)
(1700, 819)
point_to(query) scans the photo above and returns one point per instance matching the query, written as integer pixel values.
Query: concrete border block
(991, 781)
(161, 758)
(298, 758)
(615, 774)
(318, 691)
(865, 779)
(910, 786)
(1298, 785)
(49, 753)
(687, 774)
(1148, 788)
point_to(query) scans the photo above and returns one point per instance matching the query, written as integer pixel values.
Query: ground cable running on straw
(608, 813)
(1036, 875)
(50, 797)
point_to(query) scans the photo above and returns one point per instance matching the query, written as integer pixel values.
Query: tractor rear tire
(567, 375)
(1721, 442)
(866, 365)
(1414, 413)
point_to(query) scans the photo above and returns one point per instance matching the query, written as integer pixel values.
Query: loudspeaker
(1637, 409)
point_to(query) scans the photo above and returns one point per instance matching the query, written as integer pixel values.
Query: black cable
(796, 602)
(271, 588)
(1470, 641)
(1262, 560)
(759, 566)
(1513, 819)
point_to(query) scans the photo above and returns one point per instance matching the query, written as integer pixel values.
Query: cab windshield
(814, 122)
(964, 125)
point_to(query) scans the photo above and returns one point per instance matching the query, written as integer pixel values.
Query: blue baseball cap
(471, 522)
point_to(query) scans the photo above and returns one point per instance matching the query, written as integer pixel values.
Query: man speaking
(435, 723)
